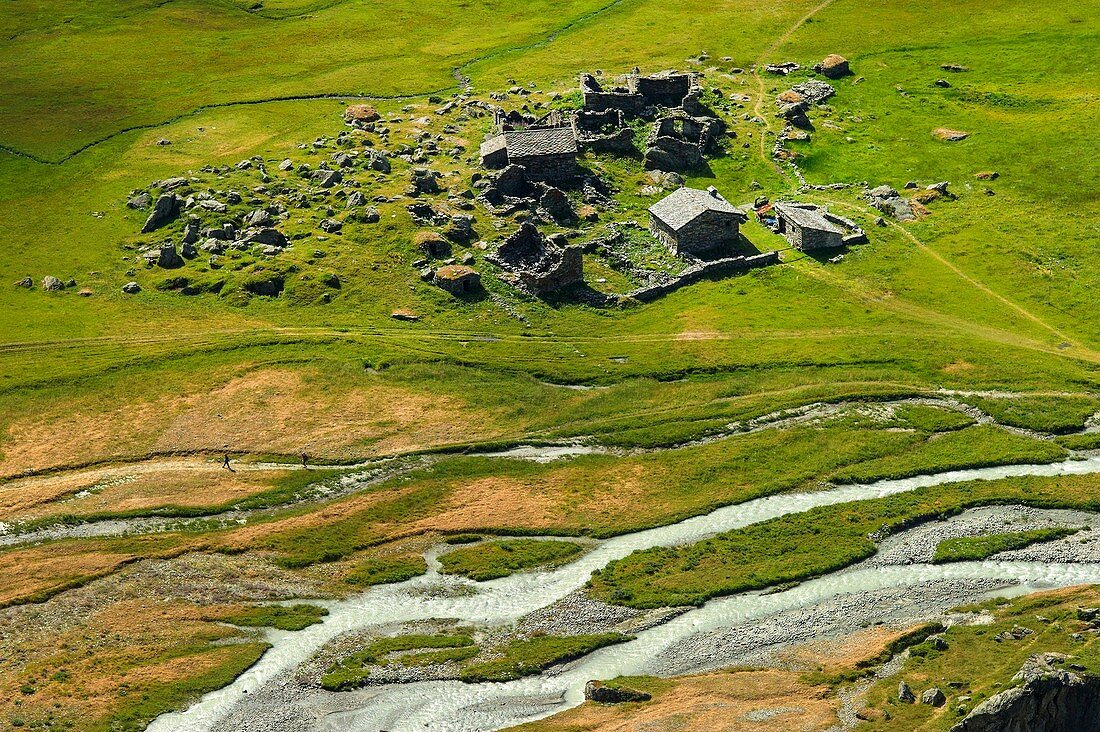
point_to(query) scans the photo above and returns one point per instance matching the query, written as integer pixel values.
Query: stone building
(537, 264)
(678, 142)
(809, 227)
(691, 221)
(641, 94)
(545, 153)
(457, 279)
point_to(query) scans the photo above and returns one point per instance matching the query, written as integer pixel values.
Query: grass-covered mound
(507, 556)
(973, 548)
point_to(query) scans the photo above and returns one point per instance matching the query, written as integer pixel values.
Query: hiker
(305, 460)
(225, 461)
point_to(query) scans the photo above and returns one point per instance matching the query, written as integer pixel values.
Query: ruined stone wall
(702, 270)
(602, 101)
(550, 168)
(565, 269)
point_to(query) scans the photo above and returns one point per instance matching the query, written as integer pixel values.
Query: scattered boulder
(949, 135)
(171, 184)
(601, 693)
(376, 160)
(140, 201)
(355, 199)
(942, 83)
(259, 217)
(52, 284)
(890, 202)
(988, 175)
(782, 69)
(833, 66)
(905, 694)
(164, 210)
(26, 282)
(1017, 632)
(366, 215)
(271, 237)
(269, 286)
(360, 115)
(425, 180)
(326, 178)
(557, 205)
(188, 250)
(286, 165)
(168, 258)
(131, 288)
(406, 315)
(933, 697)
(954, 68)
(460, 229)
(331, 226)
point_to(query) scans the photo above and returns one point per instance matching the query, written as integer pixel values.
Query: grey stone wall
(550, 168)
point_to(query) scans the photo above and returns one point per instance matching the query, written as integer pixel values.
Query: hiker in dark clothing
(305, 460)
(225, 462)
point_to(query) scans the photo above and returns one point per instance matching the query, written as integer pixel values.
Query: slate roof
(541, 141)
(807, 217)
(681, 207)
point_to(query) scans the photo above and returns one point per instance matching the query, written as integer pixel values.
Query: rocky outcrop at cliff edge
(1049, 699)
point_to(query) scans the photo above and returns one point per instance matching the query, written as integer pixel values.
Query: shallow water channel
(469, 707)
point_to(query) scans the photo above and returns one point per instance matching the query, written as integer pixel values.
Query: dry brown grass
(737, 701)
(268, 410)
(176, 482)
(123, 649)
(27, 572)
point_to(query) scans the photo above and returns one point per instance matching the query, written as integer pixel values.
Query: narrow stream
(453, 705)
(457, 706)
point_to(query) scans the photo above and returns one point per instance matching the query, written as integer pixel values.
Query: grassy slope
(994, 292)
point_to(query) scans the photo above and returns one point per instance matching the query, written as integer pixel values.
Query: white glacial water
(469, 707)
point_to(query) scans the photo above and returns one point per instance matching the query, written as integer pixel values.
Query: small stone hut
(546, 153)
(457, 279)
(691, 221)
(808, 227)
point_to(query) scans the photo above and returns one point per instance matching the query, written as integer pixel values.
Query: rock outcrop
(601, 693)
(1048, 699)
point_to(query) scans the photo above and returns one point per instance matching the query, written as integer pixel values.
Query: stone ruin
(603, 131)
(796, 101)
(833, 66)
(536, 263)
(679, 142)
(641, 96)
(511, 191)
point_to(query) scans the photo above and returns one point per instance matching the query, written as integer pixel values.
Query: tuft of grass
(354, 670)
(381, 571)
(283, 617)
(501, 558)
(1057, 415)
(931, 419)
(972, 548)
(532, 655)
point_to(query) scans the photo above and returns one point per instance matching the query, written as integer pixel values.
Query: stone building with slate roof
(807, 227)
(546, 153)
(691, 221)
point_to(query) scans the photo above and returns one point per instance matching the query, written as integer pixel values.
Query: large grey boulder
(890, 202)
(271, 237)
(52, 284)
(131, 288)
(164, 210)
(601, 693)
(905, 694)
(1048, 699)
(140, 200)
(327, 178)
(169, 258)
(933, 697)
